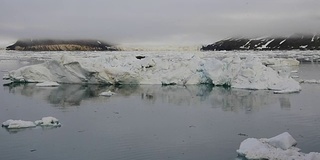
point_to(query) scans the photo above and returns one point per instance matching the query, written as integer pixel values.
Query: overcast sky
(156, 21)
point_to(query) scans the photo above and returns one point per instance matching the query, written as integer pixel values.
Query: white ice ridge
(280, 147)
(180, 69)
(45, 121)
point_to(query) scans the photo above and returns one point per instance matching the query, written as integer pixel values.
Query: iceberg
(19, 124)
(280, 147)
(166, 69)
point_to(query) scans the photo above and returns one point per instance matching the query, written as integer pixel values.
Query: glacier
(168, 69)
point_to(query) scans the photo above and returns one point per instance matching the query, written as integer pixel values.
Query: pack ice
(280, 147)
(181, 69)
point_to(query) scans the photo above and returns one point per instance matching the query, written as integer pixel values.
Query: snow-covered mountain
(61, 45)
(293, 42)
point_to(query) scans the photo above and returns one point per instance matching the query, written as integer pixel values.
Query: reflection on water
(228, 99)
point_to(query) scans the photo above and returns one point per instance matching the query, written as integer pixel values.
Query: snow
(47, 84)
(243, 47)
(281, 147)
(107, 94)
(313, 38)
(282, 41)
(303, 47)
(167, 69)
(45, 121)
(265, 45)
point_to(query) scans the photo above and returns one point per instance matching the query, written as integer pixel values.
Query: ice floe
(17, 124)
(107, 94)
(281, 147)
(310, 81)
(48, 121)
(247, 73)
(47, 84)
(10, 124)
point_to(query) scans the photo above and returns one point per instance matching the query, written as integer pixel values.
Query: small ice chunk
(107, 94)
(286, 91)
(10, 124)
(283, 141)
(48, 121)
(310, 81)
(47, 84)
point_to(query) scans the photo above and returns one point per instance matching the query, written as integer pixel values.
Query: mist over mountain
(60, 45)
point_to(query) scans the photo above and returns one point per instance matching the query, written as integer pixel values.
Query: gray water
(152, 122)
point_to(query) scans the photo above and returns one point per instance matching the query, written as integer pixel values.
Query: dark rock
(293, 42)
(61, 45)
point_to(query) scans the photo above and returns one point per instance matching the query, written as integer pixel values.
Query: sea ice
(167, 69)
(47, 84)
(45, 121)
(281, 147)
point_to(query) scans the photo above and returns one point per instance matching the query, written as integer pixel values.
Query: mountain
(293, 42)
(61, 45)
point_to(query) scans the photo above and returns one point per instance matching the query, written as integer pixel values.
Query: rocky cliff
(61, 45)
(293, 42)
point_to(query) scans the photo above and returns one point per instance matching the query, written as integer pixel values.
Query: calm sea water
(152, 122)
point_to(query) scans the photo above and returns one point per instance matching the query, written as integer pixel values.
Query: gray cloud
(165, 21)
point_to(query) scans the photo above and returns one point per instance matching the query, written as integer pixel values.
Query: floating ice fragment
(48, 121)
(107, 94)
(10, 124)
(45, 121)
(310, 81)
(47, 84)
(281, 147)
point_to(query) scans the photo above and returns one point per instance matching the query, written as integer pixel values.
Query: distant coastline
(268, 43)
(61, 45)
(293, 42)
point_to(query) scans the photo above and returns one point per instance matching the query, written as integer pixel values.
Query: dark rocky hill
(293, 42)
(61, 45)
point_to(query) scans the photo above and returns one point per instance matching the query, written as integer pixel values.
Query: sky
(155, 21)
